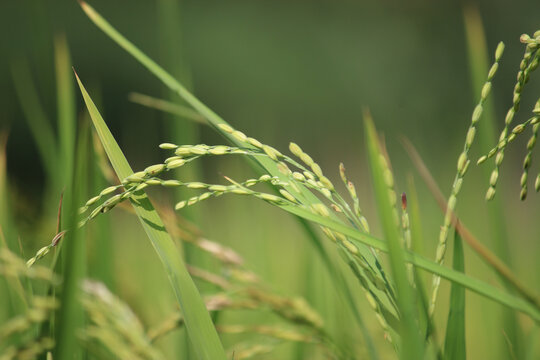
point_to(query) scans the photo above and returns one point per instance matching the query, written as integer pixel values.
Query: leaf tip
(90, 12)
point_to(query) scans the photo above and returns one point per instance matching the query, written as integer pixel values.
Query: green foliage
(52, 308)
(201, 331)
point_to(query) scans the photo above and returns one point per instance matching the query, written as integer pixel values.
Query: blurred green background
(283, 71)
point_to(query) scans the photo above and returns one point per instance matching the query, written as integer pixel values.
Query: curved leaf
(201, 331)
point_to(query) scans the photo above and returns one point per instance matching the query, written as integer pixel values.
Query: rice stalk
(455, 345)
(462, 166)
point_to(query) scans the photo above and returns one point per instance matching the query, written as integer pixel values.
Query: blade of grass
(201, 331)
(475, 285)
(65, 106)
(36, 118)
(6, 216)
(177, 110)
(71, 314)
(14, 302)
(454, 345)
(101, 265)
(411, 344)
(10, 304)
(417, 246)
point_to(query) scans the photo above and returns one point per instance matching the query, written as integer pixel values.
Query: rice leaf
(39, 124)
(71, 314)
(412, 343)
(454, 345)
(65, 106)
(417, 246)
(478, 286)
(201, 331)
(14, 301)
(6, 216)
(169, 107)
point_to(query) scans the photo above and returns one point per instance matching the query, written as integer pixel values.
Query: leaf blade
(201, 331)
(475, 285)
(412, 344)
(454, 346)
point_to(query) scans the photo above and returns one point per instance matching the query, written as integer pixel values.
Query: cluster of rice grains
(528, 64)
(292, 185)
(114, 329)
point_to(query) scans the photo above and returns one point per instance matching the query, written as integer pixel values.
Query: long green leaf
(454, 345)
(37, 120)
(71, 314)
(7, 224)
(169, 107)
(65, 100)
(201, 331)
(14, 301)
(470, 283)
(412, 344)
(417, 246)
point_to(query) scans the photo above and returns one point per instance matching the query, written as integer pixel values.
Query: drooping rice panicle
(310, 176)
(114, 326)
(38, 313)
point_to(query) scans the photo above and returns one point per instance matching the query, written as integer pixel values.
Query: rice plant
(57, 311)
